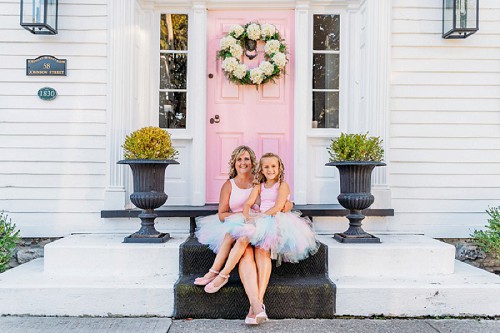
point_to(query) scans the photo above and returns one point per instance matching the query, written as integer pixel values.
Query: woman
(255, 264)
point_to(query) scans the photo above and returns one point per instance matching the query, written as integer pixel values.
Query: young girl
(287, 236)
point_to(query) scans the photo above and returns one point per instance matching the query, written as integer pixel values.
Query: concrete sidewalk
(163, 325)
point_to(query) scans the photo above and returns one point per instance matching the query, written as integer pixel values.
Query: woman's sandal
(259, 318)
(203, 281)
(210, 288)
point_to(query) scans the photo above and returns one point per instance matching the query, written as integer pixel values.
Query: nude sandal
(203, 281)
(210, 288)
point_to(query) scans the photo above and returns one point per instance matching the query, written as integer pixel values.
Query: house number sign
(46, 65)
(47, 93)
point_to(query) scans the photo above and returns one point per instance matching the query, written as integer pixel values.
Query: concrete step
(396, 255)
(107, 255)
(26, 289)
(469, 291)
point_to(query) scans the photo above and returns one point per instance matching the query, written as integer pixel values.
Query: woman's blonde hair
(259, 176)
(234, 156)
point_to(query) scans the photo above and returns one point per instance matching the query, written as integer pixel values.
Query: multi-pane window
(173, 70)
(326, 71)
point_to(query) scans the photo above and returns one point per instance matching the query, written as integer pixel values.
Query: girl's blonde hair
(259, 176)
(234, 156)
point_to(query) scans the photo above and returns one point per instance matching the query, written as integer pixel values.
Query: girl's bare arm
(283, 193)
(251, 200)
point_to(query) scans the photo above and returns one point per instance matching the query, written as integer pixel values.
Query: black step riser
(196, 258)
(301, 290)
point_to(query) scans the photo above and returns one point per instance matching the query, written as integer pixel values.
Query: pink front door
(243, 115)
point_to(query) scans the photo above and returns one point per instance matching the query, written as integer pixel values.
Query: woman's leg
(234, 257)
(221, 256)
(264, 268)
(248, 275)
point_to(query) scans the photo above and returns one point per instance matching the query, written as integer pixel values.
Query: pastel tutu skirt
(287, 236)
(211, 231)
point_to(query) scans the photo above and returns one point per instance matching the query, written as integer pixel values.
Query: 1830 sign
(47, 93)
(46, 65)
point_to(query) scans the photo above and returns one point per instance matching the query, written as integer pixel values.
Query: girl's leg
(221, 256)
(234, 257)
(264, 268)
(248, 275)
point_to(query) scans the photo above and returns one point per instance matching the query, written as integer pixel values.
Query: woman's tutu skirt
(287, 236)
(211, 231)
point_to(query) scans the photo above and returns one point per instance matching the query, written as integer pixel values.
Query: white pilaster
(377, 115)
(120, 78)
(197, 79)
(302, 79)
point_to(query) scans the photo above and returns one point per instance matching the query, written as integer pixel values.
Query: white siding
(52, 153)
(444, 167)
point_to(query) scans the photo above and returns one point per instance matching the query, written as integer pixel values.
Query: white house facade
(435, 102)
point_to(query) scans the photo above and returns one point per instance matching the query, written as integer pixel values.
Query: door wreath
(243, 39)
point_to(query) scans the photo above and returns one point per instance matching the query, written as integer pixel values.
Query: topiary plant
(356, 147)
(9, 237)
(489, 239)
(149, 143)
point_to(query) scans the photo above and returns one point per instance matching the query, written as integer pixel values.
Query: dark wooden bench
(194, 211)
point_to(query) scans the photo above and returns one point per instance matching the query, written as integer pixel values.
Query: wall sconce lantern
(460, 18)
(39, 16)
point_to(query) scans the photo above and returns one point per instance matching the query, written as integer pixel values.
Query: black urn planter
(355, 195)
(149, 193)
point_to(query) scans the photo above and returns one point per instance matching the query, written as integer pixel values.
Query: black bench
(194, 211)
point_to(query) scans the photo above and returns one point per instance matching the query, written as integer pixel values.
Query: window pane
(172, 109)
(173, 68)
(326, 71)
(326, 32)
(173, 32)
(325, 109)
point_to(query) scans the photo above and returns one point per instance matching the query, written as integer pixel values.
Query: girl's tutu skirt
(211, 231)
(287, 236)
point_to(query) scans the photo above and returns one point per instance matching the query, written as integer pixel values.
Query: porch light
(460, 18)
(39, 16)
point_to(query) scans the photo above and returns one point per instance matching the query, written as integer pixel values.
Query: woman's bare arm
(225, 193)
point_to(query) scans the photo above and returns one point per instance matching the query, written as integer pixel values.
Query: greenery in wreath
(232, 48)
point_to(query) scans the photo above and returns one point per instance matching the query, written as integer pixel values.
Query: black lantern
(460, 18)
(39, 16)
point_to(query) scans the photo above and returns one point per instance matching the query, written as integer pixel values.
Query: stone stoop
(94, 275)
(301, 290)
(408, 276)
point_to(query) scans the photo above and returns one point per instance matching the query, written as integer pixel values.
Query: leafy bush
(489, 239)
(9, 237)
(149, 143)
(356, 147)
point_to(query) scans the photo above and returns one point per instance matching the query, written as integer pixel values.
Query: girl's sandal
(203, 281)
(210, 288)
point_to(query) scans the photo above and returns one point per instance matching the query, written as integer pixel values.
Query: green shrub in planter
(9, 237)
(489, 239)
(149, 143)
(356, 147)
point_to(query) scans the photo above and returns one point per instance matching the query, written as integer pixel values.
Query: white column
(302, 78)
(120, 83)
(197, 81)
(378, 41)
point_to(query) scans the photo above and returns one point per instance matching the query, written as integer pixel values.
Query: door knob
(215, 119)
(210, 76)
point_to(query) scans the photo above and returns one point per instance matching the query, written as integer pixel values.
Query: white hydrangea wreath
(232, 47)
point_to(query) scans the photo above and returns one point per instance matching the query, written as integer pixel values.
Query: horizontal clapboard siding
(52, 153)
(444, 168)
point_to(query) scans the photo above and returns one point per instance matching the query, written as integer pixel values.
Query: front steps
(295, 290)
(94, 275)
(98, 275)
(407, 276)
